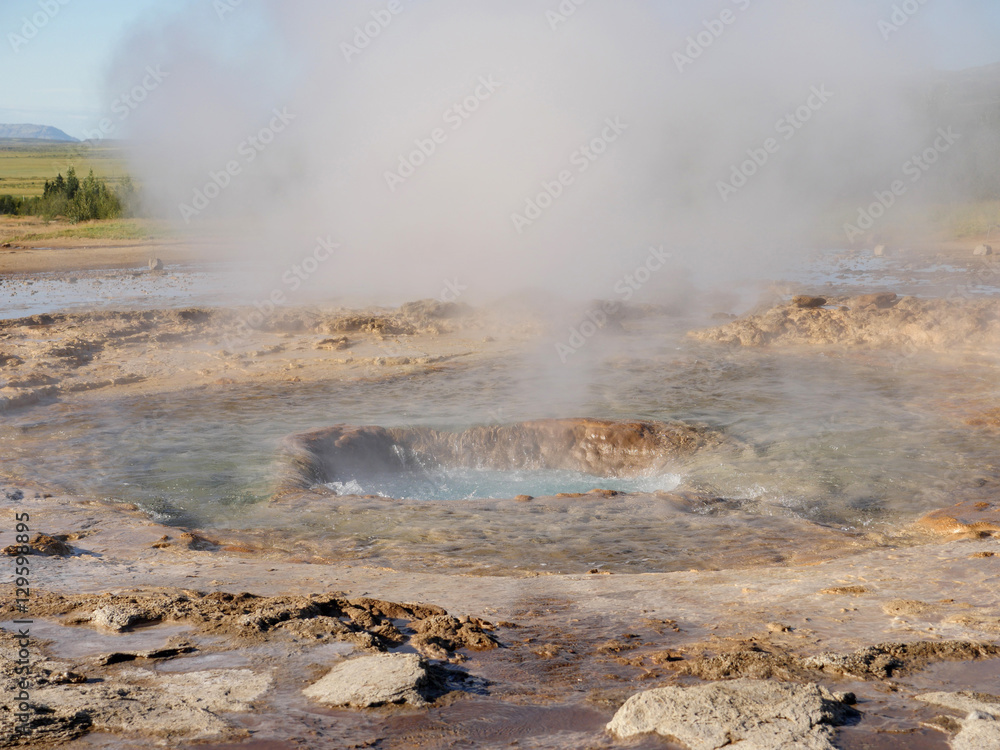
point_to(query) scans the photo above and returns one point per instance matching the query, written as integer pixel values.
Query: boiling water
(469, 484)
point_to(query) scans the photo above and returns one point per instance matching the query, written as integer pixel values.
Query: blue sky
(58, 77)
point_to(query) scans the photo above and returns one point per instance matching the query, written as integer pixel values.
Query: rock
(968, 518)
(880, 300)
(852, 590)
(879, 251)
(907, 608)
(885, 660)
(374, 681)
(981, 726)
(965, 702)
(871, 321)
(337, 344)
(807, 302)
(155, 264)
(983, 250)
(117, 617)
(42, 544)
(164, 709)
(976, 734)
(433, 308)
(438, 635)
(748, 714)
(50, 546)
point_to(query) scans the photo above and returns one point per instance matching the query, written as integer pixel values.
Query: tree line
(76, 199)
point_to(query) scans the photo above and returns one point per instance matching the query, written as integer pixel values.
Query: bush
(10, 205)
(77, 200)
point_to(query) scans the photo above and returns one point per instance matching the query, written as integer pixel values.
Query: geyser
(543, 456)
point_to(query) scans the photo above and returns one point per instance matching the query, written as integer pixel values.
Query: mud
(370, 624)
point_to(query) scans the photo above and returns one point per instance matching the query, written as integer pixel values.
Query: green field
(112, 229)
(26, 165)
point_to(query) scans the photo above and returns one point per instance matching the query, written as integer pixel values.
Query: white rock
(977, 733)
(980, 728)
(963, 702)
(116, 618)
(373, 681)
(744, 714)
(983, 250)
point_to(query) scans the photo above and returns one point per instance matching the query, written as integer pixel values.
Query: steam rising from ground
(489, 104)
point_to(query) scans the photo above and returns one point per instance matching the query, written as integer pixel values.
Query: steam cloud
(415, 133)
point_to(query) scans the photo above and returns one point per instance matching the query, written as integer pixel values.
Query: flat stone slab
(736, 714)
(373, 681)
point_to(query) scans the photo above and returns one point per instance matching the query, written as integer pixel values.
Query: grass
(26, 165)
(116, 229)
(971, 219)
(920, 221)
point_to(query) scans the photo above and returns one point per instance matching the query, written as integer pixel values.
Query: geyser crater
(540, 458)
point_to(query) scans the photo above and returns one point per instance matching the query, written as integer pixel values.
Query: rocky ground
(142, 630)
(147, 634)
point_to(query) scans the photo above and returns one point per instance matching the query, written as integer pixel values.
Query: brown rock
(337, 344)
(438, 635)
(989, 418)
(42, 544)
(807, 302)
(968, 518)
(905, 607)
(880, 300)
(852, 590)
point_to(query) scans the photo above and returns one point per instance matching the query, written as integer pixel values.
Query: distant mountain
(35, 132)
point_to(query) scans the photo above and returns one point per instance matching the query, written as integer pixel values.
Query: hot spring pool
(487, 484)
